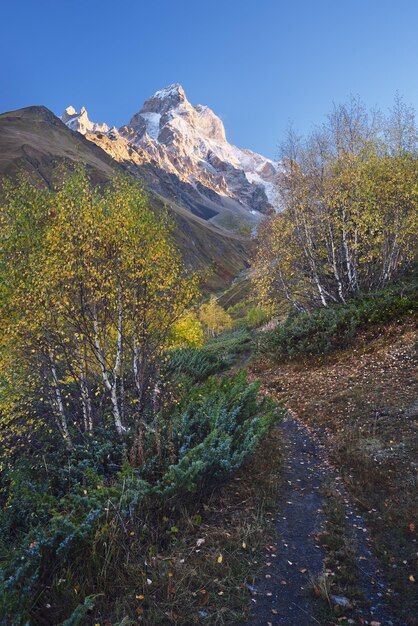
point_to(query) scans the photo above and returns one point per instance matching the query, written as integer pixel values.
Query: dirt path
(283, 595)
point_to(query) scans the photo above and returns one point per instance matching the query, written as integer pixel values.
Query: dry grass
(339, 576)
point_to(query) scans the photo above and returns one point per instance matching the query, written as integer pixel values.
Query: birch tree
(93, 285)
(349, 194)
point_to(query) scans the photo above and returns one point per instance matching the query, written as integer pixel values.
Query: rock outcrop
(80, 121)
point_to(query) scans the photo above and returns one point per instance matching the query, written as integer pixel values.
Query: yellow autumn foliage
(214, 317)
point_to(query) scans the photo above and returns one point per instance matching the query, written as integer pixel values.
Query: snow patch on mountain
(152, 124)
(167, 91)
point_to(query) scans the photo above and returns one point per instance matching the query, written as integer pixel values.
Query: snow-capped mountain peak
(68, 114)
(190, 142)
(172, 92)
(170, 105)
(174, 88)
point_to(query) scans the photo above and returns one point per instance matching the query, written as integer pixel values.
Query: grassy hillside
(35, 140)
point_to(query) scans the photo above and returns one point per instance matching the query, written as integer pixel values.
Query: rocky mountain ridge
(190, 143)
(80, 122)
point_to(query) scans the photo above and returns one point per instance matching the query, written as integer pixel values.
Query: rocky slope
(188, 143)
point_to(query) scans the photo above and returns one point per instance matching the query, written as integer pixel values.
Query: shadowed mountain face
(35, 141)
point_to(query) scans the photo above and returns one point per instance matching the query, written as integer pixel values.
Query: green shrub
(219, 425)
(240, 309)
(65, 515)
(195, 363)
(214, 356)
(229, 346)
(257, 316)
(55, 525)
(335, 327)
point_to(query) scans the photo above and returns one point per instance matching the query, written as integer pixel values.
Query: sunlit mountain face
(190, 143)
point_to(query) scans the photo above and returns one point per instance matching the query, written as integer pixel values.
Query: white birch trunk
(59, 403)
(110, 379)
(85, 396)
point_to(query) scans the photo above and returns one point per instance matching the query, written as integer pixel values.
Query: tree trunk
(59, 404)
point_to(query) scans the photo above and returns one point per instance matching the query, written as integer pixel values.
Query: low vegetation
(70, 520)
(214, 356)
(335, 327)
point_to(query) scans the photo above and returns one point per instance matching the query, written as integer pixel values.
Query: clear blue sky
(257, 64)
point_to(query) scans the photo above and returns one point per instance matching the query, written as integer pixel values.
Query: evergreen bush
(66, 514)
(334, 327)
